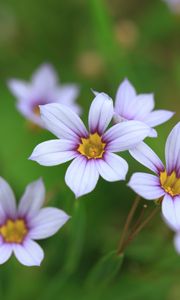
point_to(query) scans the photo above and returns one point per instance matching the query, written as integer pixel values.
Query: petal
(171, 211)
(5, 252)
(172, 150)
(7, 199)
(29, 253)
(26, 110)
(147, 157)
(45, 77)
(32, 200)
(19, 88)
(112, 167)
(125, 135)
(100, 113)
(82, 176)
(144, 104)
(62, 121)
(158, 117)
(177, 242)
(47, 222)
(54, 152)
(67, 94)
(124, 98)
(146, 185)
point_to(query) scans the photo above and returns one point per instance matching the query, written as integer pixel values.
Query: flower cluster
(93, 152)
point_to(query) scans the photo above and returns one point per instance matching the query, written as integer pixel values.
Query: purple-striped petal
(100, 113)
(143, 106)
(5, 252)
(146, 185)
(62, 121)
(19, 88)
(54, 152)
(112, 167)
(125, 135)
(29, 253)
(171, 211)
(172, 150)
(45, 77)
(82, 176)
(158, 117)
(7, 199)
(147, 157)
(32, 200)
(177, 242)
(125, 99)
(47, 222)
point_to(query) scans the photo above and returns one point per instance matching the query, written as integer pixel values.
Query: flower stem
(127, 224)
(137, 229)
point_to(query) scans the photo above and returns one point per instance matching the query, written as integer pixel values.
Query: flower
(19, 227)
(91, 151)
(42, 89)
(166, 182)
(130, 106)
(174, 5)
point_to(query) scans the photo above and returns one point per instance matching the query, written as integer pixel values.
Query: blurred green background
(96, 44)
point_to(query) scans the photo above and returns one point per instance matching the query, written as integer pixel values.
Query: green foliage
(61, 32)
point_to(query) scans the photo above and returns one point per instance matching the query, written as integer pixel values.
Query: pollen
(92, 147)
(170, 183)
(36, 110)
(14, 231)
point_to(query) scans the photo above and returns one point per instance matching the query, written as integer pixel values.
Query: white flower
(20, 226)
(91, 150)
(43, 88)
(130, 106)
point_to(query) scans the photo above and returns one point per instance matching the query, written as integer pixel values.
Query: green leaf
(105, 270)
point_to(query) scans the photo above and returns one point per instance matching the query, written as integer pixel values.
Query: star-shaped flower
(130, 106)
(43, 89)
(91, 150)
(20, 226)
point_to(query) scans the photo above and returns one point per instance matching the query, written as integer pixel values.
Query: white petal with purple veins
(62, 121)
(112, 167)
(147, 157)
(172, 150)
(125, 135)
(100, 113)
(45, 77)
(171, 211)
(29, 253)
(146, 185)
(5, 252)
(7, 199)
(54, 152)
(19, 88)
(177, 242)
(158, 117)
(143, 106)
(82, 176)
(47, 222)
(32, 200)
(125, 98)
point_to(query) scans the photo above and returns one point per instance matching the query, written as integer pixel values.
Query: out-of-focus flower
(130, 106)
(90, 64)
(19, 227)
(91, 150)
(126, 33)
(43, 89)
(166, 182)
(174, 5)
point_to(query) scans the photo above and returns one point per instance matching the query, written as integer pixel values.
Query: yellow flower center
(170, 183)
(92, 147)
(14, 231)
(36, 110)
